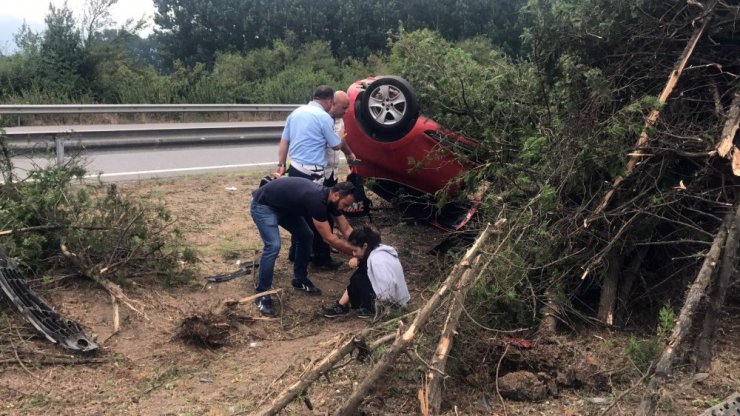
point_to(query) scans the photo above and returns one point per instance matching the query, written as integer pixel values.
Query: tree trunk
(609, 290)
(637, 154)
(628, 281)
(683, 324)
(402, 343)
(549, 323)
(717, 299)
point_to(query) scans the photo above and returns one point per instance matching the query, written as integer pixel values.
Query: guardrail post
(59, 148)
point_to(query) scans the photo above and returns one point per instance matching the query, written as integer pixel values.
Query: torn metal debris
(68, 334)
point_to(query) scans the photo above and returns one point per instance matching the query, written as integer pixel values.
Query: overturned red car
(408, 158)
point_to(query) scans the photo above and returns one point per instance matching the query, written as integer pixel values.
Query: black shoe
(327, 265)
(365, 313)
(264, 305)
(335, 311)
(306, 286)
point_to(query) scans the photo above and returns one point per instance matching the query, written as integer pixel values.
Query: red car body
(406, 157)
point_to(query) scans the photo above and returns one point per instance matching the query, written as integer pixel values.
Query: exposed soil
(152, 367)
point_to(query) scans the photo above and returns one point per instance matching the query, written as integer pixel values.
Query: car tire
(388, 108)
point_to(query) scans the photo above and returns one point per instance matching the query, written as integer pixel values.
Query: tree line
(229, 50)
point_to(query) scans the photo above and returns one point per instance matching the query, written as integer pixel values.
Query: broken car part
(244, 269)
(68, 334)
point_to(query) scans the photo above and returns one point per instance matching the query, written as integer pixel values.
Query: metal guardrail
(60, 138)
(19, 110)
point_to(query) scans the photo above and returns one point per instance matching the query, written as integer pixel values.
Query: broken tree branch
(683, 323)
(402, 343)
(729, 131)
(113, 289)
(433, 396)
(652, 118)
(300, 386)
(717, 293)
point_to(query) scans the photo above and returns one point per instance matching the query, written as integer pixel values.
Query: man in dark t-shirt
(288, 202)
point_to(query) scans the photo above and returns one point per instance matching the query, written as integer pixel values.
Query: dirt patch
(146, 369)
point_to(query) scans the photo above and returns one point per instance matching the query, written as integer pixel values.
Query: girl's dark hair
(365, 235)
(344, 189)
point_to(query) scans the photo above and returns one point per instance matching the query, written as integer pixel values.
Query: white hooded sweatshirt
(386, 275)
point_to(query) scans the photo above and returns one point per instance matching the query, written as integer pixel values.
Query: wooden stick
(433, 396)
(652, 118)
(252, 297)
(649, 401)
(725, 145)
(113, 289)
(498, 367)
(402, 343)
(705, 341)
(290, 393)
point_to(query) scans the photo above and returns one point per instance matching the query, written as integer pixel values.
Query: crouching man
(288, 202)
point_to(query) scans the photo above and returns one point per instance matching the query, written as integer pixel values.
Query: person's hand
(280, 171)
(353, 262)
(342, 134)
(351, 158)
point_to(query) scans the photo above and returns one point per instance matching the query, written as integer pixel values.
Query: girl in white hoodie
(379, 275)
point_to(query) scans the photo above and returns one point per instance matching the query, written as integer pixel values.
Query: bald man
(338, 109)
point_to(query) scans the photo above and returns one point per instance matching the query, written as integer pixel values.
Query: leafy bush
(103, 231)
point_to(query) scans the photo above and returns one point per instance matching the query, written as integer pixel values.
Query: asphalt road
(163, 161)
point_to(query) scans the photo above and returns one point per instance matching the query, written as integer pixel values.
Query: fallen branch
(683, 324)
(626, 392)
(652, 118)
(48, 228)
(705, 341)
(726, 146)
(433, 395)
(242, 301)
(430, 394)
(402, 343)
(290, 393)
(45, 361)
(113, 289)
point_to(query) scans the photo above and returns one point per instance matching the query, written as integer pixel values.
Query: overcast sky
(14, 12)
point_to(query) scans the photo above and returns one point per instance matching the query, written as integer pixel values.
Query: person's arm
(344, 147)
(325, 232)
(282, 156)
(343, 225)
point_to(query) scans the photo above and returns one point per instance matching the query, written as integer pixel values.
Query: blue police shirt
(310, 130)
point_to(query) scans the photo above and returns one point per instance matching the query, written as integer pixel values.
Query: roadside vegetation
(607, 136)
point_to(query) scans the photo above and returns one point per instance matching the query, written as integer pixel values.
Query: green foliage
(642, 352)
(502, 299)
(666, 322)
(102, 229)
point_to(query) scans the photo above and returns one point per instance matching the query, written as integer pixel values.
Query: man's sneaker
(306, 286)
(365, 313)
(327, 265)
(264, 305)
(335, 311)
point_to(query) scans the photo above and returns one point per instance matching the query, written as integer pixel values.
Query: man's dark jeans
(267, 221)
(320, 250)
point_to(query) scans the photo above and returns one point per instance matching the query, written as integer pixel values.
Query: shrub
(105, 231)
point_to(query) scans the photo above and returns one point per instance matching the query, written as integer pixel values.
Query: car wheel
(388, 108)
